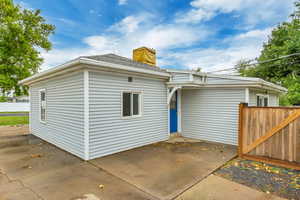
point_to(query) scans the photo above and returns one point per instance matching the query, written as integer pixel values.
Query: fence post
(240, 136)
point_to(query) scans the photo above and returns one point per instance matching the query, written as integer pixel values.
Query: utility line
(257, 63)
(291, 63)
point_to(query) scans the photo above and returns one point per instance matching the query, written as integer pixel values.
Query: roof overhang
(80, 63)
(263, 85)
(186, 85)
(248, 81)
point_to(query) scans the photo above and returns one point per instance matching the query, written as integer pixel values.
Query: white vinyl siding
(211, 114)
(273, 98)
(109, 131)
(180, 77)
(64, 114)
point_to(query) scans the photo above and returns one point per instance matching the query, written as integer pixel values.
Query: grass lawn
(13, 120)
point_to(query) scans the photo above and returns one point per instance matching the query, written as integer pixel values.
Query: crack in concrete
(22, 184)
(155, 197)
(201, 179)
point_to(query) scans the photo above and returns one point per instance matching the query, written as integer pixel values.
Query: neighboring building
(98, 105)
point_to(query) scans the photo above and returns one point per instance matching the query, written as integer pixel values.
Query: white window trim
(40, 114)
(141, 104)
(264, 96)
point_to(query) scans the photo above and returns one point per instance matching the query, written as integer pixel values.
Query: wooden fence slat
(240, 137)
(290, 142)
(274, 130)
(270, 134)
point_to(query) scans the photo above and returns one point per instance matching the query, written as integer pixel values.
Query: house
(94, 106)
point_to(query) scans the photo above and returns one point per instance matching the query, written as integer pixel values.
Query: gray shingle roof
(113, 58)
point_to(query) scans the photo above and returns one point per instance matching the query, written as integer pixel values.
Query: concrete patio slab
(166, 169)
(217, 188)
(43, 171)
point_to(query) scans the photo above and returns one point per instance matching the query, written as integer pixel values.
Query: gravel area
(279, 181)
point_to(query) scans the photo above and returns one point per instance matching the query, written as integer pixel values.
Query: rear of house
(98, 105)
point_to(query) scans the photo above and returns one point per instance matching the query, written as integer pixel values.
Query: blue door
(173, 113)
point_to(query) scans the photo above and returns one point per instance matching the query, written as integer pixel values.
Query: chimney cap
(143, 47)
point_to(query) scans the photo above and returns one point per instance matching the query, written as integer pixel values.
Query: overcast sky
(211, 34)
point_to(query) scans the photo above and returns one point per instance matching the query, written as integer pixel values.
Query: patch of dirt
(280, 181)
(14, 130)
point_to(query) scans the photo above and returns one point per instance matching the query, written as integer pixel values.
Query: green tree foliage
(22, 33)
(284, 40)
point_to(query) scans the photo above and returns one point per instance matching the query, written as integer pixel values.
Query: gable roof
(113, 58)
(106, 61)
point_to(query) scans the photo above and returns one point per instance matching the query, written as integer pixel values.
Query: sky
(186, 34)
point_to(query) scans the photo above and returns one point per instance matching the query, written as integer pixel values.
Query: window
(262, 100)
(43, 105)
(131, 104)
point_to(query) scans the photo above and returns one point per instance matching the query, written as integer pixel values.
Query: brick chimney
(144, 55)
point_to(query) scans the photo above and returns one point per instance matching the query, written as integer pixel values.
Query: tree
(284, 40)
(22, 33)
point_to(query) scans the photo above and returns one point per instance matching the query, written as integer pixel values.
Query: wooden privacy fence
(270, 134)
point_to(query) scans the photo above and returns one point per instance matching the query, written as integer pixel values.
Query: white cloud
(175, 41)
(25, 5)
(254, 11)
(66, 21)
(131, 32)
(129, 24)
(243, 46)
(122, 2)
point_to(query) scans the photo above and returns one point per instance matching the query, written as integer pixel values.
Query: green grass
(13, 120)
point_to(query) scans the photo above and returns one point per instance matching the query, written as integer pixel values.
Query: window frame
(40, 106)
(263, 96)
(140, 107)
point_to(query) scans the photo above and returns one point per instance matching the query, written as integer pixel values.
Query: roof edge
(241, 78)
(44, 74)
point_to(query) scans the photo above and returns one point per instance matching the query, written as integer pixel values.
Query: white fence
(14, 107)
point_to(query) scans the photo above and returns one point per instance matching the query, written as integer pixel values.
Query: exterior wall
(273, 98)
(109, 132)
(211, 114)
(212, 80)
(64, 115)
(198, 79)
(180, 77)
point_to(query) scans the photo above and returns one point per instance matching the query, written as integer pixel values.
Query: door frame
(179, 100)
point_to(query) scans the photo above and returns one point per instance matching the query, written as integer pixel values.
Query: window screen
(135, 103)
(131, 104)
(126, 104)
(262, 101)
(43, 105)
(266, 101)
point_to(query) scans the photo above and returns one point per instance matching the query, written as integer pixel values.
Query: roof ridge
(111, 57)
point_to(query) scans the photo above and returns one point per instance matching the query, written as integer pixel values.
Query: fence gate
(270, 134)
